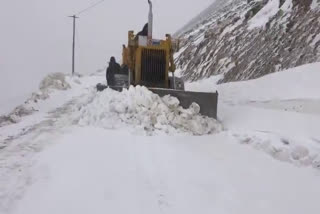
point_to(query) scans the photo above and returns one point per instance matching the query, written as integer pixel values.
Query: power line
(90, 7)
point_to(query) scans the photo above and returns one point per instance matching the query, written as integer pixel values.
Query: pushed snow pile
(284, 149)
(54, 81)
(15, 115)
(145, 111)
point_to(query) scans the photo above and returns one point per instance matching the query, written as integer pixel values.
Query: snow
(181, 50)
(54, 81)
(199, 39)
(297, 83)
(81, 151)
(101, 171)
(283, 105)
(287, 6)
(263, 16)
(48, 99)
(145, 112)
(315, 40)
(50, 84)
(315, 4)
(9, 101)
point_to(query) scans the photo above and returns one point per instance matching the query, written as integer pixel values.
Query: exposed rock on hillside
(245, 39)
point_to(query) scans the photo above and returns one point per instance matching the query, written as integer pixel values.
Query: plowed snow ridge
(145, 112)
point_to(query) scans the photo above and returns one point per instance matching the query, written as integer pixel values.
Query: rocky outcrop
(245, 39)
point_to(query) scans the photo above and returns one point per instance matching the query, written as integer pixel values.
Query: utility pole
(75, 16)
(150, 23)
(74, 42)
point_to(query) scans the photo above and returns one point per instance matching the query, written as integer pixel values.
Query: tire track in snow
(150, 172)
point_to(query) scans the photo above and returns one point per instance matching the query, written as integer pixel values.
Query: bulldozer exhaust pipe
(150, 23)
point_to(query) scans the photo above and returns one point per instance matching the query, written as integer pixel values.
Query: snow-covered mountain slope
(80, 151)
(245, 39)
(284, 104)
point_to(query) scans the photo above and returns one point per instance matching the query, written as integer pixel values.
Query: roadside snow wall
(54, 81)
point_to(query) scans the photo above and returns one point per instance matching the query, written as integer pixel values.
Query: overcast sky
(35, 35)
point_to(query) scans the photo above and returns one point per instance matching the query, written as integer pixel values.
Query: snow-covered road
(92, 170)
(78, 152)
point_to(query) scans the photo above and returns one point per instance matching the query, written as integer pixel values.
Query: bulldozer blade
(102, 87)
(208, 102)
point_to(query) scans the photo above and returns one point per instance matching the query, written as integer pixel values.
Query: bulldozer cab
(149, 60)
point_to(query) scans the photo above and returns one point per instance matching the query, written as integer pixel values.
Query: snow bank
(284, 105)
(16, 114)
(52, 82)
(297, 83)
(145, 111)
(283, 149)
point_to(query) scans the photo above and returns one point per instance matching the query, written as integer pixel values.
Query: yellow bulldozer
(150, 62)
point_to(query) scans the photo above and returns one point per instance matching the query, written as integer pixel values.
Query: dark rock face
(230, 42)
(305, 4)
